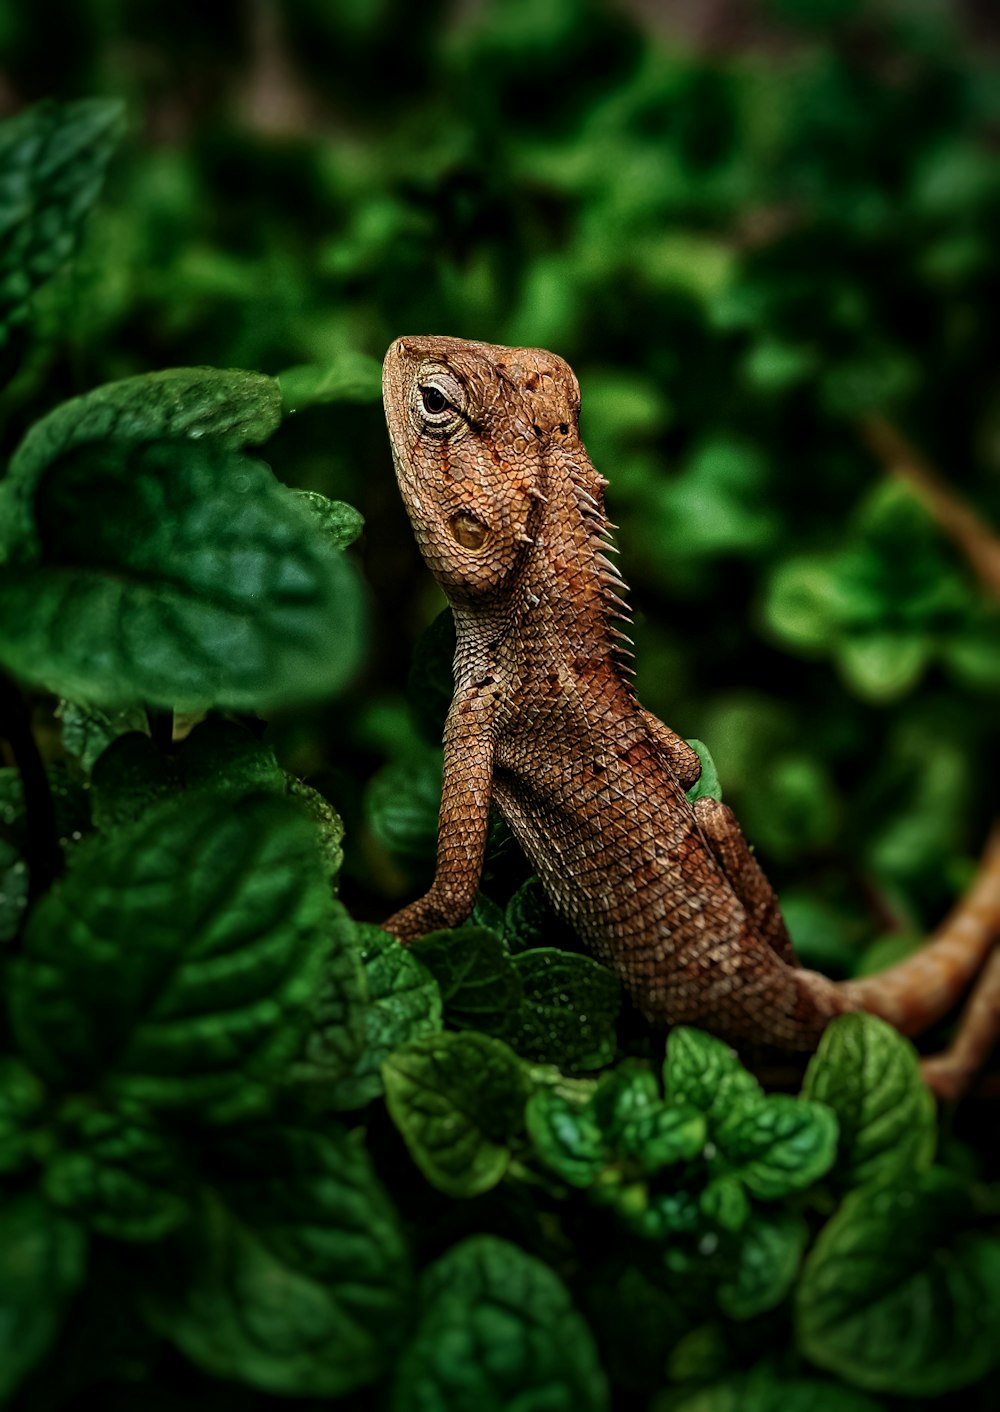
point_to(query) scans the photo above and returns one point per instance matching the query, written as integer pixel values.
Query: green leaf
(707, 784)
(497, 1331)
(777, 1145)
(869, 1075)
(704, 1072)
(22, 1104)
(457, 1099)
(130, 777)
(87, 731)
(639, 1126)
(402, 803)
(571, 1003)
(567, 1137)
(118, 1173)
(229, 407)
(897, 1295)
(480, 985)
(530, 921)
(71, 807)
(338, 519)
(176, 963)
(42, 1261)
(883, 666)
(352, 377)
(52, 163)
(335, 1042)
(764, 1390)
(770, 1248)
(724, 1203)
(180, 573)
(404, 1003)
(296, 1279)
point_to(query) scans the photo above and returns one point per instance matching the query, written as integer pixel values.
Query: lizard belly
(617, 849)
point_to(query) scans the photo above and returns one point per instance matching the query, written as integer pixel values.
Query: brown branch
(963, 526)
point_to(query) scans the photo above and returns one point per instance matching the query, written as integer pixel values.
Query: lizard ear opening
(469, 532)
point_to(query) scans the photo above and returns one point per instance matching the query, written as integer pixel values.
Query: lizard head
(474, 429)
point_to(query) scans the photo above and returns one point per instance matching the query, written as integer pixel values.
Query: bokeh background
(766, 237)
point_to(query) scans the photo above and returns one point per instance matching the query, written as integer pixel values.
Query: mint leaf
(129, 777)
(777, 1145)
(176, 572)
(567, 1137)
(22, 1104)
(42, 1261)
(639, 1126)
(351, 377)
(456, 1099)
(296, 1278)
(403, 1004)
(118, 1173)
(52, 163)
(704, 1072)
(770, 1247)
(571, 1003)
(530, 921)
(764, 1390)
(340, 521)
(402, 802)
(869, 1075)
(480, 985)
(336, 1038)
(227, 406)
(176, 963)
(897, 1295)
(87, 731)
(497, 1331)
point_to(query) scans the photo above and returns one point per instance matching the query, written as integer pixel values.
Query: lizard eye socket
(433, 399)
(468, 531)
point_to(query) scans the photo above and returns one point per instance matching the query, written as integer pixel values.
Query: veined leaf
(567, 1137)
(296, 1278)
(52, 163)
(764, 1390)
(571, 1003)
(404, 1003)
(457, 1099)
(703, 1071)
(869, 1075)
(897, 1295)
(497, 1331)
(480, 985)
(778, 1145)
(42, 1260)
(176, 964)
(176, 572)
(769, 1251)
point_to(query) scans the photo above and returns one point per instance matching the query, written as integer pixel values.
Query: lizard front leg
(463, 821)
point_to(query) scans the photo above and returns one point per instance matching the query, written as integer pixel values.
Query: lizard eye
(468, 531)
(433, 399)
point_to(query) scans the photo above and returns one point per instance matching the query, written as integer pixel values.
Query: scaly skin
(508, 513)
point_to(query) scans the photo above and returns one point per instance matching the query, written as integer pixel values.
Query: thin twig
(963, 526)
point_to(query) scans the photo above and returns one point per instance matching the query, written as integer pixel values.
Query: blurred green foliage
(749, 237)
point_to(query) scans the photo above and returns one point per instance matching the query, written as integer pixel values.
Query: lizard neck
(565, 605)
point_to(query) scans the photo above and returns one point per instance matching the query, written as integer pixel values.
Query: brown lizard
(508, 512)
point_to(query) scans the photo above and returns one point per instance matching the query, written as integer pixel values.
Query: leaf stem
(42, 852)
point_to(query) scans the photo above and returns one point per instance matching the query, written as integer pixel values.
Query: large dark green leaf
(179, 572)
(480, 985)
(897, 1294)
(177, 962)
(403, 1004)
(52, 163)
(296, 1278)
(42, 1260)
(766, 1391)
(869, 1075)
(457, 1099)
(571, 1003)
(497, 1331)
(777, 1145)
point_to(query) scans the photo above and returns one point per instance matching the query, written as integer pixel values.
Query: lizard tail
(920, 990)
